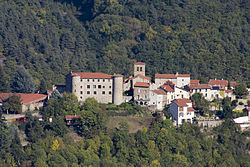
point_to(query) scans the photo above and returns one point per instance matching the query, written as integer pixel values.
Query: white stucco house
(181, 111)
(158, 99)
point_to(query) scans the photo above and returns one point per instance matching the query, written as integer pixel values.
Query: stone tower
(117, 89)
(139, 68)
(75, 85)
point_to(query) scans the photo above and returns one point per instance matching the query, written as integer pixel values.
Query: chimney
(177, 74)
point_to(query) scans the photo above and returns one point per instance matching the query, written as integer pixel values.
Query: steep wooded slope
(208, 38)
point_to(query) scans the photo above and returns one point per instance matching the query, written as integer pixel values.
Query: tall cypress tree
(23, 81)
(4, 80)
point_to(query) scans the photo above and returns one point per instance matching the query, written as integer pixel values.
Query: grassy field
(135, 123)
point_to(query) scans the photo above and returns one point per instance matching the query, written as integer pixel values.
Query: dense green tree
(201, 104)
(240, 90)
(4, 80)
(227, 111)
(23, 81)
(12, 104)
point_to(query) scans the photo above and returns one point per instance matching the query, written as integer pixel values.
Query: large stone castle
(103, 87)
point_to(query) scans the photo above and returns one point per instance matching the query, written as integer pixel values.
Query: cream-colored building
(158, 99)
(180, 80)
(103, 87)
(182, 111)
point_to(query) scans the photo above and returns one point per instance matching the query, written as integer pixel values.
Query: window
(200, 90)
(171, 96)
(110, 92)
(93, 80)
(139, 90)
(206, 90)
(75, 90)
(188, 113)
(81, 87)
(183, 120)
(81, 97)
(181, 96)
(94, 86)
(137, 68)
(140, 68)
(94, 92)
(104, 80)
(98, 80)
(103, 86)
(109, 86)
(87, 80)
(99, 86)
(109, 80)
(145, 96)
(206, 95)
(88, 92)
(88, 86)
(103, 92)
(181, 114)
(81, 92)
(182, 79)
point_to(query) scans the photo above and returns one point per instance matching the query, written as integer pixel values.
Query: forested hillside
(207, 38)
(161, 144)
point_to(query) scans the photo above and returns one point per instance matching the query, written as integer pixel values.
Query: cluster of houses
(174, 90)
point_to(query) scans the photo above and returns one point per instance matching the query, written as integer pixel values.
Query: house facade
(29, 101)
(158, 99)
(182, 111)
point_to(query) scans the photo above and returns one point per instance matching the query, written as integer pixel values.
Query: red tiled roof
(218, 82)
(167, 88)
(91, 75)
(139, 63)
(158, 91)
(141, 76)
(232, 84)
(26, 98)
(228, 91)
(190, 109)
(183, 75)
(182, 102)
(194, 81)
(200, 86)
(141, 84)
(49, 91)
(70, 117)
(167, 76)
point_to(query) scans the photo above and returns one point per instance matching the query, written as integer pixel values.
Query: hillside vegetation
(50, 38)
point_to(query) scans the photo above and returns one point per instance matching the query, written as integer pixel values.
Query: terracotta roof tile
(183, 75)
(182, 102)
(158, 91)
(86, 75)
(194, 81)
(167, 76)
(200, 86)
(70, 117)
(139, 63)
(228, 91)
(26, 98)
(190, 109)
(141, 84)
(141, 76)
(167, 88)
(218, 82)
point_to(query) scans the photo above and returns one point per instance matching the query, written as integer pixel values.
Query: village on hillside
(171, 92)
